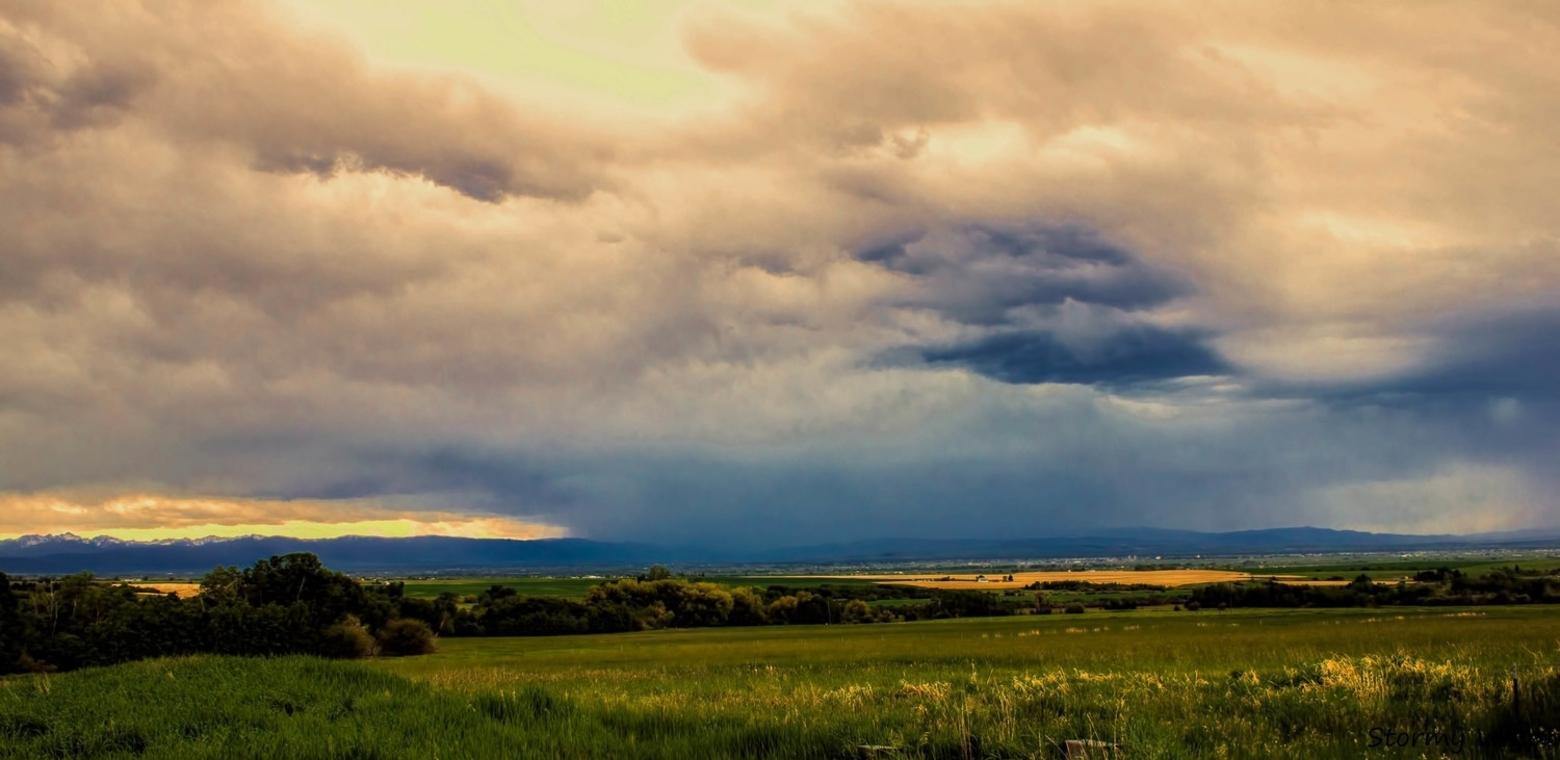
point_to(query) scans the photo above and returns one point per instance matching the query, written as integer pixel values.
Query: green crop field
(1300, 683)
(1469, 564)
(571, 588)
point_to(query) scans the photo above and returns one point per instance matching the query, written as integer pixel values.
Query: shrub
(404, 637)
(856, 611)
(1074, 609)
(1193, 606)
(347, 640)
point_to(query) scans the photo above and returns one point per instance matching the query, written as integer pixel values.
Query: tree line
(282, 605)
(1439, 587)
(292, 604)
(666, 602)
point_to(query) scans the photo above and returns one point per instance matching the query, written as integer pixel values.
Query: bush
(1074, 609)
(347, 640)
(405, 637)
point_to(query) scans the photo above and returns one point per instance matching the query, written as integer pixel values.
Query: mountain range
(67, 553)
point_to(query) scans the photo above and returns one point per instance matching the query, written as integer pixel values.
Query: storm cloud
(907, 269)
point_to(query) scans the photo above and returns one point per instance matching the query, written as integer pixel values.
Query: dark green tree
(11, 628)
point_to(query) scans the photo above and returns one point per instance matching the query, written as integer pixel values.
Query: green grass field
(1300, 683)
(572, 588)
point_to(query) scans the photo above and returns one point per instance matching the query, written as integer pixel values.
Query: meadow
(1241, 683)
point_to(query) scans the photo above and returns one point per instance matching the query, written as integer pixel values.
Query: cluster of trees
(1443, 586)
(1359, 593)
(293, 605)
(638, 605)
(1506, 585)
(282, 605)
(1073, 596)
(665, 602)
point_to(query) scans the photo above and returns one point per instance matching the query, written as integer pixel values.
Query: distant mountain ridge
(67, 553)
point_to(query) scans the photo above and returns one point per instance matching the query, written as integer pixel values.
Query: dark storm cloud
(1050, 304)
(1513, 354)
(977, 274)
(1473, 358)
(515, 479)
(1131, 355)
(498, 479)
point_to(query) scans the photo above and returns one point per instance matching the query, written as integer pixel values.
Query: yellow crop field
(183, 590)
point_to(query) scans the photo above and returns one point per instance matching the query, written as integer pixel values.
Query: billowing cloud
(911, 269)
(230, 75)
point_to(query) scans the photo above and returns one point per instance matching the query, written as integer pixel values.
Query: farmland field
(1396, 568)
(181, 589)
(575, 587)
(1299, 683)
(568, 588)
(996, 580)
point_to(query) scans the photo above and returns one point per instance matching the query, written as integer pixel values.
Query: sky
(765, 273)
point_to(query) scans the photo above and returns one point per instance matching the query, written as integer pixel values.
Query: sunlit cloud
(147, 517)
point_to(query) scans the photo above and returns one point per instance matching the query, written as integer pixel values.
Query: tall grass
(1289, 684)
